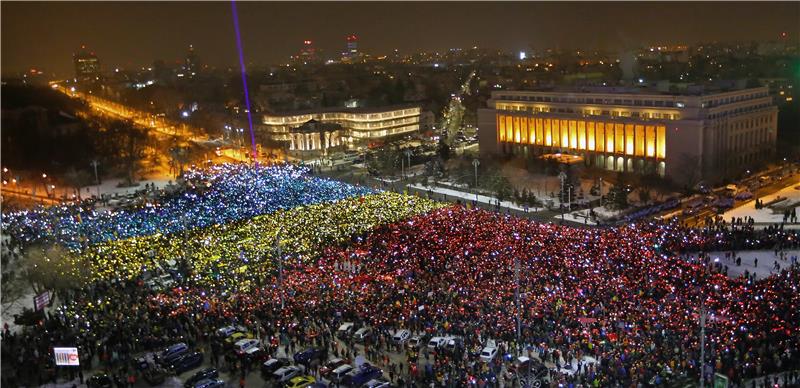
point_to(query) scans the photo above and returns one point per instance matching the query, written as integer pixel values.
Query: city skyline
(135, 34)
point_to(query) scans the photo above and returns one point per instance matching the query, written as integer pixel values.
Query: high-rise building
(190, 63)
(352, 47)
(713, 134)
(87, 66)
(308, 52)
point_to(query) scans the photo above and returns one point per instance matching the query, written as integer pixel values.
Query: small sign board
(41, 300)
(66, 356)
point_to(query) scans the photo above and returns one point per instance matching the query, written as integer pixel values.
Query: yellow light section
(564, 134)
(590, 136)
(539, 132)
(524, 129)
(573, 135)
(629, 139)
(639, 140)
(581, 134)
(548, 136)
(501, 125)
(610, 137)
(509, 128)
(619, 138)
(531, 131)
(661, 144)
(516, 129)
(650, 135)
(601, 137)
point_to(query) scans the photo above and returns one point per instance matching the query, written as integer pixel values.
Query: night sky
(45, 35)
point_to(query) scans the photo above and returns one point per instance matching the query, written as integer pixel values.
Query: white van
(362, 334)
(345, 330)
(337, 375)
(437, 342)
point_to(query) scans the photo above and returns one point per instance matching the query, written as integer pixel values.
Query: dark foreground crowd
(600, 307)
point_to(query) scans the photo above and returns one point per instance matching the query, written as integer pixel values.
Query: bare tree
(77, 179)
(52, 268)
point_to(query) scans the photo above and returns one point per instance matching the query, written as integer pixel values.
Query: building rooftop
(342, 109)
(658, 89)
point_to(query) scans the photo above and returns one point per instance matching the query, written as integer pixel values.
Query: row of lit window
(384, 133)
(621, 138)
(356, 117)
(593, 100)
(592, 112)
(737, 111)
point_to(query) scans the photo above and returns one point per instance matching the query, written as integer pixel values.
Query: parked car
(236, 337)
(301, 382)
(270, 366)
(454, 343)
(345, 330)
(172, 353)
(188, 362)
(286, 373)
(418, 341)
(339, 375)
(225, 332)
(364, 374)
(488, 353)
(437, 342)
(401, 336)
(209, 383)
(377, 383)
(203, 374)
(307, 356)
(330, 366)
(362, 334)
(99, 381)
(243, 345)
(257, 355)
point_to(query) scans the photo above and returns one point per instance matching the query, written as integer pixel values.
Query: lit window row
(598, 136)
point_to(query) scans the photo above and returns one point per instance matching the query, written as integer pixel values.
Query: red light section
(352, 38)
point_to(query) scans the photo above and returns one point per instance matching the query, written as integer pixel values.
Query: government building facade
(715, 134)
(345, 128)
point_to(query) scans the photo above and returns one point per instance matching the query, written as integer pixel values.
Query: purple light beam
(244, 79)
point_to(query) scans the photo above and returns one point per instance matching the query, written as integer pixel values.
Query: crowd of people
(620, 303)
(212, 196)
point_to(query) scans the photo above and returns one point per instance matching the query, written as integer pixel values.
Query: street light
(408, 156)
(95, 164)
(476, 163)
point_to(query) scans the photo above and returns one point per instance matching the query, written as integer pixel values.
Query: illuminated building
(358, 126)
(716, 134)
(87, 66)
(308, 53)
(351, 52)
(190, 65)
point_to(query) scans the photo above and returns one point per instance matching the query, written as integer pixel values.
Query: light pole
(476, 163)
(563, 177)
(516, 301)
(279, 252)
(408, 153)
(601, 191)
(95, 164)
(702, 342)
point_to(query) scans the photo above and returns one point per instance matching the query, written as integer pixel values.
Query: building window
(639, 140)
(661, 144)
